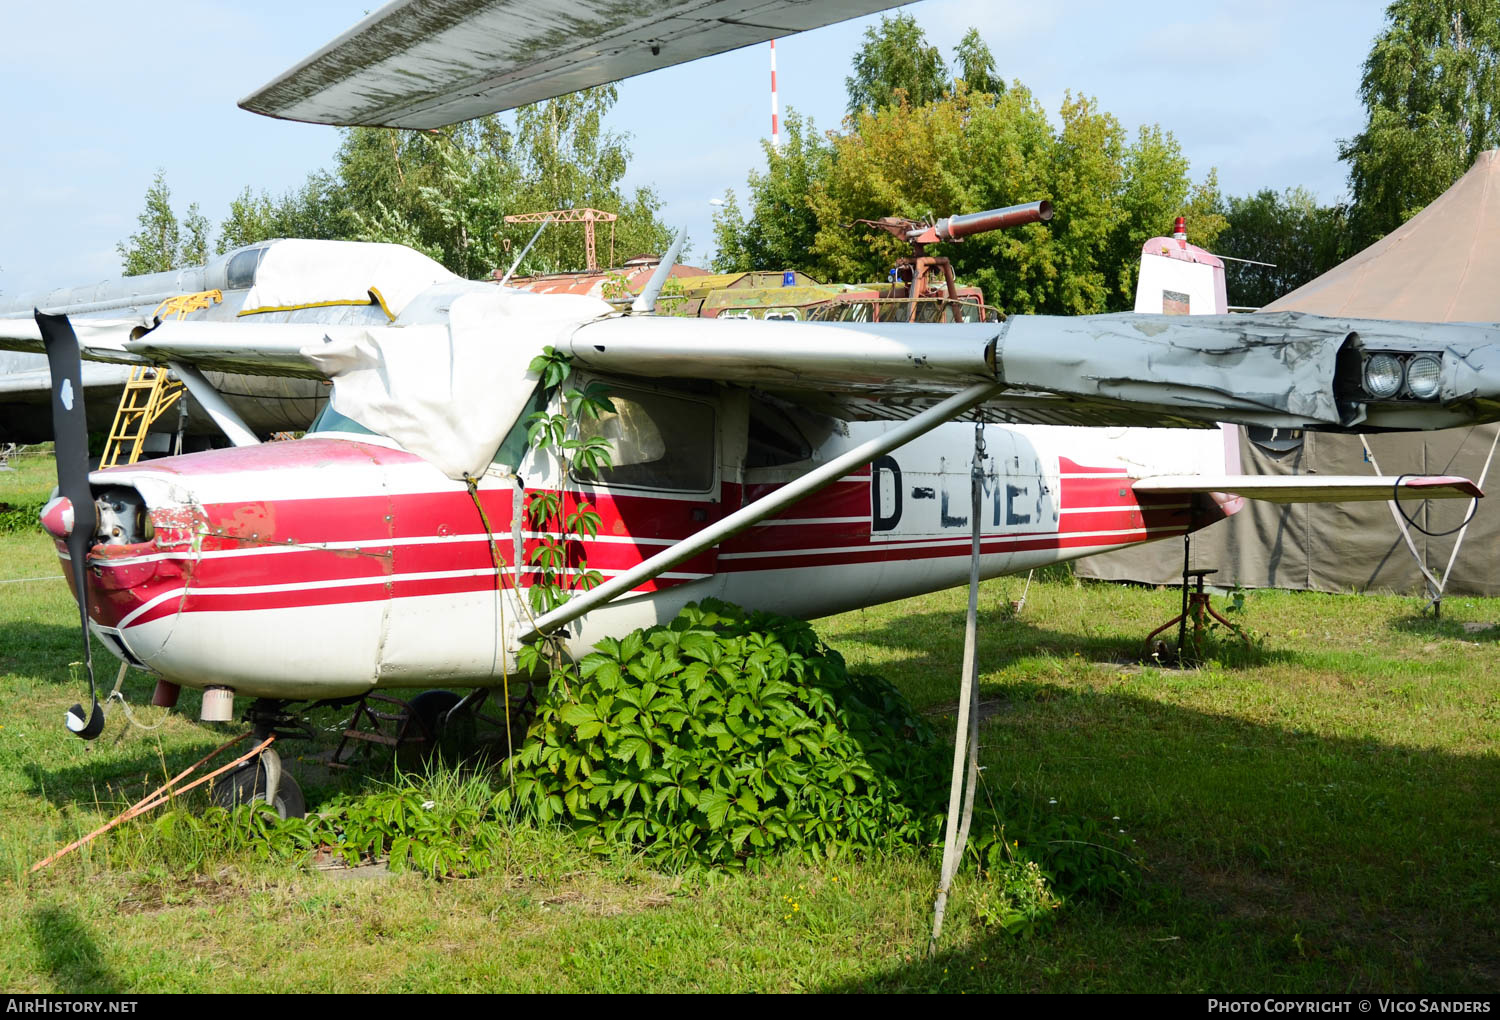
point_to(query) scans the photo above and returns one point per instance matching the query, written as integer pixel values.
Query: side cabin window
(656, 441)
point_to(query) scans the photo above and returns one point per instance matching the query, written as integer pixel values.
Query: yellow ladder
(147, 396)
(149, 393)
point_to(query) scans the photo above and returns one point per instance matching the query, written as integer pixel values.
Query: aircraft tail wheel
(249, 783)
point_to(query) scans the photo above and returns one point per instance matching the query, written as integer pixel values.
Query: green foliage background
(444, 192)
(919, 145)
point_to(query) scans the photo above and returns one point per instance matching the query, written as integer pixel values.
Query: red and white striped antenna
(775, 108)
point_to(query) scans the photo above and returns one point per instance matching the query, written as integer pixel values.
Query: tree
(896, 64)
(976, 65)
(784, 225)
(1156, 190)
(569, 160)
(1302, 239)
(314, 211)
(194, 248)
(447, 192)
(153, 248)
(964, 153)
(1431, 89)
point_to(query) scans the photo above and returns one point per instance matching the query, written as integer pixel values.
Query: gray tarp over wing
(1441, 266)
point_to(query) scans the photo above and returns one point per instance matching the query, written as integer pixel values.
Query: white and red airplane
(802, 468)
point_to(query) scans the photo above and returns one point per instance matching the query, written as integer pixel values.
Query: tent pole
(1459, 541)
(966, 734)
(1432, 582)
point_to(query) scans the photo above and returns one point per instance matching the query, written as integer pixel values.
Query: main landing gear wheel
(248, 782)
(429, 732)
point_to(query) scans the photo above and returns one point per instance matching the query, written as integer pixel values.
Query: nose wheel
(264, 780)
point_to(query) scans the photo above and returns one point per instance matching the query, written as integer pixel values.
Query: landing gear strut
(263, 778)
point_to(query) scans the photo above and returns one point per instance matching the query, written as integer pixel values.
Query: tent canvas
(1443, 265)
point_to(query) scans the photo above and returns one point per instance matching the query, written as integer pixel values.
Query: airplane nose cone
(57, 517)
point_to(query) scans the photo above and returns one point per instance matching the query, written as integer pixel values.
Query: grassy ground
(1316, 813)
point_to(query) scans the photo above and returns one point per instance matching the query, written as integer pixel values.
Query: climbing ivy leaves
(559, 557)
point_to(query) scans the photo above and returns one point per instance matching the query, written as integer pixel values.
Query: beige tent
(1441, 266)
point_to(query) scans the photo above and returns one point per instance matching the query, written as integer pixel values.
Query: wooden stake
(158, 797)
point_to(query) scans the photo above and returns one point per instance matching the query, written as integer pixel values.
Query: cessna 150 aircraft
(805, 468)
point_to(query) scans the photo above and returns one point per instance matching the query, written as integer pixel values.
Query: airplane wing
(427, 63)
(1315, 488)
(99, 339)
(1283, 369)
(1279, 369)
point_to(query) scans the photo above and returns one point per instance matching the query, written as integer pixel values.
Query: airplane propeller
(71, 515)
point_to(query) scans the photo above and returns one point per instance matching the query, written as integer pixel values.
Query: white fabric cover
(298, 273)
(449, 394)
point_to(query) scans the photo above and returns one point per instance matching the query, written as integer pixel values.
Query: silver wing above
(1284, 369)
(426, 63)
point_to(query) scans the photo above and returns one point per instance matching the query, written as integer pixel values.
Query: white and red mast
(775, 109)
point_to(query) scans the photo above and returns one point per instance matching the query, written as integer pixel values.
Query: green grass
(1316, 814)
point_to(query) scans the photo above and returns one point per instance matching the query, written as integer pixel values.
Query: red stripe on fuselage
(445, 533)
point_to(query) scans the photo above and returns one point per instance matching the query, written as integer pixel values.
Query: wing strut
(749, 515)
(231, 424)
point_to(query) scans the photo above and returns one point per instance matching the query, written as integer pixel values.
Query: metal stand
(1196, 604)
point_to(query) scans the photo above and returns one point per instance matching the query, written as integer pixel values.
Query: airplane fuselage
(335, 564)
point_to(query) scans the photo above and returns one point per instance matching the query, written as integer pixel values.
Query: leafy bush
(17, 518)
(718, 739)
(1015, 897)
(723, 737)
(451, 833)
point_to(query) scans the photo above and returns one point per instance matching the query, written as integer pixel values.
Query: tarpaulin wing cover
(1440, 266)
(450, 393)
(308, 274)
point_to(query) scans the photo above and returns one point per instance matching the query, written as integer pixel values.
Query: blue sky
(98, 95)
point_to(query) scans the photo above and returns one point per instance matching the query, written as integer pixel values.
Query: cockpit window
(774, 438)
(656, 441)
(241, 269)
(329, 420)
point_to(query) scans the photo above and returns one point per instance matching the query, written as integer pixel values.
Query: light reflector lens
(1422, 374)
(1382, 376)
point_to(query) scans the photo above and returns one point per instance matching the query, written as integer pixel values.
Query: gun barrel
(955, 227)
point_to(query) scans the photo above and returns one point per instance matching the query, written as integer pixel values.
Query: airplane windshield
(329, 420)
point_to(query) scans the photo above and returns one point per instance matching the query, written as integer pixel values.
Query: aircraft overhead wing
(99, 339)
(426, 63)
(1289, 370)
(1284, 369)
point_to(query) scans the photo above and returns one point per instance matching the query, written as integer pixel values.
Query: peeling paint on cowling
(178, 526)
(255, 522)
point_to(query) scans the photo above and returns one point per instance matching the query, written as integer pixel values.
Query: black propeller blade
(70, 431)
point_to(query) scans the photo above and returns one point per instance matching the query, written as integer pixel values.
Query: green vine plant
(560, 557)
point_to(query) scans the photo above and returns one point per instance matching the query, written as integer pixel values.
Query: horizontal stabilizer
(1316, 488)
